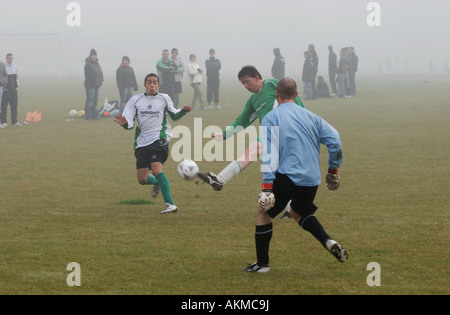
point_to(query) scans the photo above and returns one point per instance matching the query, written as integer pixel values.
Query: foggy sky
(412, 33)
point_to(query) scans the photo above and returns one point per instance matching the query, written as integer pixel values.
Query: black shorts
(156, 152)
(302, 197)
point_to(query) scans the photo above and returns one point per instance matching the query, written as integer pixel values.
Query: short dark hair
(125, 58)
(151, 75)
(287, 88)
(249, 71)
(9, 55)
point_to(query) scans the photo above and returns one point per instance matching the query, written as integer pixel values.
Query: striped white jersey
(150, 113)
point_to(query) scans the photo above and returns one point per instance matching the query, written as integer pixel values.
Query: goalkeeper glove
(333, 179)
(266, 198)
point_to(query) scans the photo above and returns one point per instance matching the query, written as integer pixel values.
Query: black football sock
(313, 226)
(263, 235)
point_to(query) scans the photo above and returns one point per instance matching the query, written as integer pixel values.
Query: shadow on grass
(136, 202)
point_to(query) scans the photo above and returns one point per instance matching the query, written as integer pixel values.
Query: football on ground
(73, 113)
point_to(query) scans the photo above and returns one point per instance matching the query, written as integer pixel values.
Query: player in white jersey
(153, 133)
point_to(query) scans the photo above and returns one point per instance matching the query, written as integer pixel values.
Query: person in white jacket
(195, 78)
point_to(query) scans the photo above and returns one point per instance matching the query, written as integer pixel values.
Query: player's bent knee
(263, 217)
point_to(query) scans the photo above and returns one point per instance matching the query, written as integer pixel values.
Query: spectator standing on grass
(279, 65)
(93, 75)
(332, 69)
(178, 87)
(353, 67)
(166, 72)
(3, 81)
(213, 67)
(126, 82)
(342, 73)
(195, 78)
(10, 93)
(315, 64)
(308, 76)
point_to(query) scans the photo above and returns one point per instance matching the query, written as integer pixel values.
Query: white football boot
(169, 209)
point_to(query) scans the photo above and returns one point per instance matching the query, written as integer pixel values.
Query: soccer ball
(188, 169)
(73, 113)
(81, 113)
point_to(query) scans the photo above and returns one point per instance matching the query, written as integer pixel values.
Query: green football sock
(151, 180)
(165, 188)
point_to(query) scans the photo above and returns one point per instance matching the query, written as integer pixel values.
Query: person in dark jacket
(126, 82)
(353, 67)
(279, 64)
(213, 67)
(322, 87)
(167, 69)
(315, 62)
(93, 81)
(308, 76)
(10, 93)
(3, 81)
(342, 73)
(332, 68)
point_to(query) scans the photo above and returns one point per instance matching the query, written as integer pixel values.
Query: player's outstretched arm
(121, 120)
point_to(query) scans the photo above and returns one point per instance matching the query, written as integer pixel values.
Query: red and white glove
(266, 198)
(333, 179)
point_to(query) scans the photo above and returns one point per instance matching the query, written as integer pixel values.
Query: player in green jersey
(262, 101)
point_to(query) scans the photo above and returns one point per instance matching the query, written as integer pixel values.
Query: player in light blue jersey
(291, 171)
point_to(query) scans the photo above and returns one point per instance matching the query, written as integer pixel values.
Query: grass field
(69, 194)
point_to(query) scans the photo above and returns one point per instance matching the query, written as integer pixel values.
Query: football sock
(263, 235)
(165, 188)
(313, 226)
(151, 180)
(229, 172)
(176, 102)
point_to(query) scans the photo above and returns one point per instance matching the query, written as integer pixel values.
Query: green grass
(69, 193)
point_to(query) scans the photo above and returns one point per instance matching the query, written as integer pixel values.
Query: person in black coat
(213, 67)
(332, 68)
(308, 76)
(126, 82)
(93, 75)
(279, 64)
(315, 63)
(322, 87)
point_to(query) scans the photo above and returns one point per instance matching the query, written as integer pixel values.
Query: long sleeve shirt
(257, 106)
(151, 113)
(291, 138)
(13, 76)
